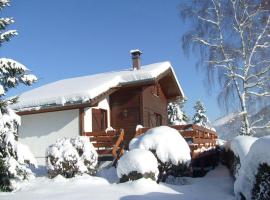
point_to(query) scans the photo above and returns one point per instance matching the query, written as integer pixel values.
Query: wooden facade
(144, 105)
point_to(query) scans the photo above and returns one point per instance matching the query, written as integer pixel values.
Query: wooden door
(99, 119)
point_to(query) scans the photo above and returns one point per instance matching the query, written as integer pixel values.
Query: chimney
(136, 59)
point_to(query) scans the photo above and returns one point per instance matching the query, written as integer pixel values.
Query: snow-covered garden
(159, 163)
(159, 155)
(153, 168)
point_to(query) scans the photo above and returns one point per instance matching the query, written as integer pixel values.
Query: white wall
(104, 104)
(38, 131)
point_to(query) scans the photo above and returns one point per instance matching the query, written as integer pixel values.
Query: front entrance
(99, 119)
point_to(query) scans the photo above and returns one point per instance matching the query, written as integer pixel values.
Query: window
(156, 90)
(158, 119)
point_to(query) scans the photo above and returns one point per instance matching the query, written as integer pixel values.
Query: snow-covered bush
(254, 175)
(169, 147)
(238, 149)
(70, 157)
(136, 164)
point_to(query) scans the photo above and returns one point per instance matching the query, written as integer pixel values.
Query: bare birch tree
(232, 38)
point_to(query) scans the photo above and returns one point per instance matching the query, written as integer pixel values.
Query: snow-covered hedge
(137, 163)
(169, 147)
(239, 148)
(70, 157)
(253, 181)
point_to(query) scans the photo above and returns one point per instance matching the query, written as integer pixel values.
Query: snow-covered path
(217, 184)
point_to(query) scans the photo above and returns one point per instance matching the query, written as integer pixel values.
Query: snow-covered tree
(200, 118)
(14, 157)
(176, 113)
(232, 38)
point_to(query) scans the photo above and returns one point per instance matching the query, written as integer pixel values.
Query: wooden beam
(54, 109)
(81, 121)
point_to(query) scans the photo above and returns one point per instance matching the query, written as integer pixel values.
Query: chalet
(120, 99)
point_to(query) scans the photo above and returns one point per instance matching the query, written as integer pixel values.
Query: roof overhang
(167, 80)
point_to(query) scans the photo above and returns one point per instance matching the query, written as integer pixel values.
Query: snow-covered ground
(217, 184)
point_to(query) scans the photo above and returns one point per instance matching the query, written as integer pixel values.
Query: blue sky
(62, 39)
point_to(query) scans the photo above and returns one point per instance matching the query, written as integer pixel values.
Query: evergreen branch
(5, 22)
(6, 36)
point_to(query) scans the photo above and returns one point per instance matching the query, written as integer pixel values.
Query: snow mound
(258, 154)
(137, 160)
(167, 143)
(69, 157)
(241, 144)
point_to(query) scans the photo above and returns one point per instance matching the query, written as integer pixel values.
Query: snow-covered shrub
(253, 180)
(261, 189)
(169, 147)
(70, 157)
(136, 164)
(238, 149)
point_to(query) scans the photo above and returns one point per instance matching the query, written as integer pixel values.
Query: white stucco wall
(104, 104)
(38, 131)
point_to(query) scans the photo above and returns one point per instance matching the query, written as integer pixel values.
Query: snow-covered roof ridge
(83, 89)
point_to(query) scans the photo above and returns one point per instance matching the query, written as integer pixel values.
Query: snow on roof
(83, 89)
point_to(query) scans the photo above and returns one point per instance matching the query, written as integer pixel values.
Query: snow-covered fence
(109, 145)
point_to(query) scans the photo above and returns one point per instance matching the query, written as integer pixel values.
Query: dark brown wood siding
(125, 110)
(99, 119)
(154, 106)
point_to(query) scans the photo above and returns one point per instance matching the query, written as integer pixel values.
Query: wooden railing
(197, 137)
(110, 143)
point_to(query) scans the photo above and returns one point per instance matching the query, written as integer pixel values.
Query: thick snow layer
(138, 160)
(25, 155)
(167, 142)
(217, 184)
(259, 153)
(241, 144)
(83, 89)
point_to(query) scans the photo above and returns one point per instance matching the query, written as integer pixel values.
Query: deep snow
(217, 184)
(168, 144)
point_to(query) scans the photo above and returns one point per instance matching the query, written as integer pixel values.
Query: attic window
(156, 90)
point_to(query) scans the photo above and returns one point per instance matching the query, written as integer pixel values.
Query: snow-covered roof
(83, 89)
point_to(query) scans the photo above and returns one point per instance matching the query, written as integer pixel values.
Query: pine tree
(176, 113)
(14, 156)
(200, 118)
